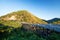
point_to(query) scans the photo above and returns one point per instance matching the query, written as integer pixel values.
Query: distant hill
(54, 21)
(23, 16)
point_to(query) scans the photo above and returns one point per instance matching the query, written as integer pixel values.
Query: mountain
(23, 16)
(54, 21)
(14, 19)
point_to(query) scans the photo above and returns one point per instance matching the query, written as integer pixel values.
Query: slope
(22, 16)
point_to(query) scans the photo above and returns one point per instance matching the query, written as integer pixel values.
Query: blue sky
(45, 9)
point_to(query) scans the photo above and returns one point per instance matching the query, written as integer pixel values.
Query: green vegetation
(11, 27)
(20, 34)
(10, 23)
(54, 36)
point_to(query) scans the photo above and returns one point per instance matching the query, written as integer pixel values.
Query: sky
(44, 9)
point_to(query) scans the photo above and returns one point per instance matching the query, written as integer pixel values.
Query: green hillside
(14, 19)
(54, 21)
(11, 23)
(11, 28)
(22, 16)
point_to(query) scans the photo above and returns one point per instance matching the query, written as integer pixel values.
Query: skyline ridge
(45, 9)
(28, 11)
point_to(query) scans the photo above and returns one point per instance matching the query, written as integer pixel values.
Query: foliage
(10, 23)
(54, 36)
(20, 34)
(12, 29)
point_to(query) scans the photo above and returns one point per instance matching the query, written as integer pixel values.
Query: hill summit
(23, 16)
